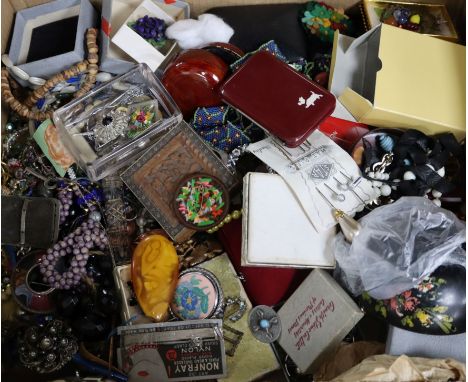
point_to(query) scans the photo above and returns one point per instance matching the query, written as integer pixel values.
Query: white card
(314, 173)
(276, 230)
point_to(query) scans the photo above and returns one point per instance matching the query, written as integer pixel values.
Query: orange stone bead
(155, 271)
(391, 21)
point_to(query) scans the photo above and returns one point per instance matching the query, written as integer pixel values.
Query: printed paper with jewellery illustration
(321, 175)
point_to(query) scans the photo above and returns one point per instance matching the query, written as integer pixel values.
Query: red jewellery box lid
(278, 98)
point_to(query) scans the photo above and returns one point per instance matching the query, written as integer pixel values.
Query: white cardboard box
(114, 14)
(135, 45)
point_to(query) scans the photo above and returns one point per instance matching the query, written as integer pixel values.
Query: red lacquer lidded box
(278, 98)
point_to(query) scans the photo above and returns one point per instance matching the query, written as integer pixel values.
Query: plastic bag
(399, 244)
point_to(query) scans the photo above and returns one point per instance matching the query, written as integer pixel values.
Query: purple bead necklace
(87, 236)
(65, 196)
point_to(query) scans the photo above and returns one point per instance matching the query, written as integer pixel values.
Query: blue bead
(40, 103)
(264, 324)
(402, 20)
(386, 143)
(73, 80)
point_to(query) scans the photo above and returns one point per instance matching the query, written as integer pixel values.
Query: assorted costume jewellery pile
(155, 213)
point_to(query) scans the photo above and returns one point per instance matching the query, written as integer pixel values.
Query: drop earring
(344, 186)
(337, 196)
(349, 226)
(349, 186)
(354, 193)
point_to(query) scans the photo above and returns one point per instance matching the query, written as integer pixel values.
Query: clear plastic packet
(399, 245)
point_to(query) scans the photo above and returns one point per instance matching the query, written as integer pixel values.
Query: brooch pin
(265, 324)
(141, 116)
(110, 127)
(201, 202)
(47, 348)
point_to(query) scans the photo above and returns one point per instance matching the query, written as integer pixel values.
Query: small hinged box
(154, 176)
(278, 98)
(113, 124)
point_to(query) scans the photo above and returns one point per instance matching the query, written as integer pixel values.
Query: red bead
(411, 26)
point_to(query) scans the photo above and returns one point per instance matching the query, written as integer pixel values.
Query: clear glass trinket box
(114, 123)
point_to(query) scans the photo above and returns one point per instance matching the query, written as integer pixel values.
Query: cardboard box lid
(315, 319)
(393, 70)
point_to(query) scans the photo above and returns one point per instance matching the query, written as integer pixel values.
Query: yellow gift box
(394, 78)
(434, 18)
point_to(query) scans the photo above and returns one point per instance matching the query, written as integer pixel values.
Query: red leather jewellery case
(278, 98)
